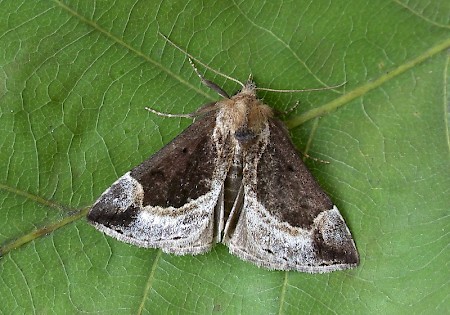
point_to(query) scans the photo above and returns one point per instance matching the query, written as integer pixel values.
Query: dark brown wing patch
(180, 171)
(285, 186)
(163, 184)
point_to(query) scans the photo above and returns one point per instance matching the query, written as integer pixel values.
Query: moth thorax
(253, 121)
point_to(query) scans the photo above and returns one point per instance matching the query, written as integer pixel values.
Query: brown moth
(233, 177)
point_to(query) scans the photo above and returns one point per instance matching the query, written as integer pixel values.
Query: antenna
(199, 62)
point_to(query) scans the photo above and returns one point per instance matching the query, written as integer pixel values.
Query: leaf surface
(76, 76)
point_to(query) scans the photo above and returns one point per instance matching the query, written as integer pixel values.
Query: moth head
(247, 114)
(249, 88)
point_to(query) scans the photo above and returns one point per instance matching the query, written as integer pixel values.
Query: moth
(232, 177)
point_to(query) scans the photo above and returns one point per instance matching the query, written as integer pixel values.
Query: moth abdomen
(232, 183)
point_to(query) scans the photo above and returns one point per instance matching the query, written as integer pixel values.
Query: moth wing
(287, 222)
(169, 200)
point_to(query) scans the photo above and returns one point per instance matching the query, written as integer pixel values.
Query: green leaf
(75, 78)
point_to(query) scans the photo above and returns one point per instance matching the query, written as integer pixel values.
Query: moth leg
(154, 111)
(287, 111)
(209, 83)
(205, 109)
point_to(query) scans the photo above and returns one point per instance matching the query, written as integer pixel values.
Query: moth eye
(290, 168)
(184, 150)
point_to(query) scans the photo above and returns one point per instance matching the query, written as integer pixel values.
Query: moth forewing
(178, 200)
(175, 192)
(287, 221)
